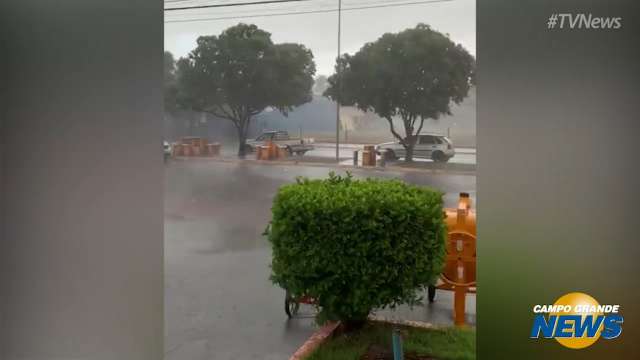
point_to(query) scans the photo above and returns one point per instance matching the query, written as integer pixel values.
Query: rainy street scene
(320, 179)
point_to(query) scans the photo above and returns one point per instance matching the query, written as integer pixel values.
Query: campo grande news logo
(577, 321)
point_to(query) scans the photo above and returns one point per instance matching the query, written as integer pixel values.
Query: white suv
(428, 146)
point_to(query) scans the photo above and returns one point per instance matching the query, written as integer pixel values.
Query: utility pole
(338, 73)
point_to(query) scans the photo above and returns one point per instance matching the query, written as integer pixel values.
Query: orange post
(194, 146)
(262, 152)
(176, 149)
(459, 299)
(282, 152)
(186, 150)
(273, 150)
(366, 158)
(369, 155)
(213, 149)
(459, 274)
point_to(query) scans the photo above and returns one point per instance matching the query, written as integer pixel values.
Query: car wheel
(291, 306)
(432, 293)
(390, 155)
(439, 156)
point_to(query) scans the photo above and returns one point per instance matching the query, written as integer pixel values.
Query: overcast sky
(318, 31)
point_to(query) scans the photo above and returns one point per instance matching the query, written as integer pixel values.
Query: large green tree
(320, 84)
(170, 86)
(241, 72)
(413, 75)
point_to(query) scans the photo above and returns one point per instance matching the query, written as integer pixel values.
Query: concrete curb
(320, 336)
(314, 341)
(409, 323)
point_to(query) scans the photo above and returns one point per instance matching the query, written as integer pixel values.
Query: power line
(309, 11)
(232, 4)
(190, 2)
(277, 8)
(201, 2)
(245, 10)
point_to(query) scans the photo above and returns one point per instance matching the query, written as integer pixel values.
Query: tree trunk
(409, 146)
(243, 128)
(409, 152)
(242, 142)
(191, 125)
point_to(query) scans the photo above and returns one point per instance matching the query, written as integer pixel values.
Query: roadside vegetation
(415, 75)
(237, 75)
(373, 342)
(356, 245)
(410, 76)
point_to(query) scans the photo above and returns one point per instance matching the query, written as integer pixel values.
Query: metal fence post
(383, 158)
(397, 345)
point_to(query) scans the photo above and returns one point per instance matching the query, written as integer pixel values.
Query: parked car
(438, 148)
(297, 146)
(167, 150)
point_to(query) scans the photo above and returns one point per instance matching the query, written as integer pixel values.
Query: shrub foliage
(356, 245)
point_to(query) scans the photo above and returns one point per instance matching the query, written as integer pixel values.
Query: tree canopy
(241, 72)
(414, 74)
(170, 86)
(320, 84)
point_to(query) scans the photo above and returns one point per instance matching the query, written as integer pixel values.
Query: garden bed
(373, 342)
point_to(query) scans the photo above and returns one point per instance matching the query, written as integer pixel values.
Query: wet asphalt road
(219, 302)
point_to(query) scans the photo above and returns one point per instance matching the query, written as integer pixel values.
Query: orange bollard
(369, 155)
(186, 150)
(459, 273)
(272, 150)
(176, 149)
(282, 152)
(366, 158)
(213, 149)
(262, 152)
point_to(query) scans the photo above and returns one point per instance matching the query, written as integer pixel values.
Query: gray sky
(318, 32)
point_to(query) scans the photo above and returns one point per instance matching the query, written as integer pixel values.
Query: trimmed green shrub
(356, 245)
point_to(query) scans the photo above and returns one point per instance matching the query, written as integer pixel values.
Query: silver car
(436, 147)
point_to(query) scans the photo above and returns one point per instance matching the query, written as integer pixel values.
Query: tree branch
(242, 112)
(236, 112)
(413, 118)
(421, 124)
(214, 113)
(408, 127)
(393, 130)
(227, 116)
(233, 115)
